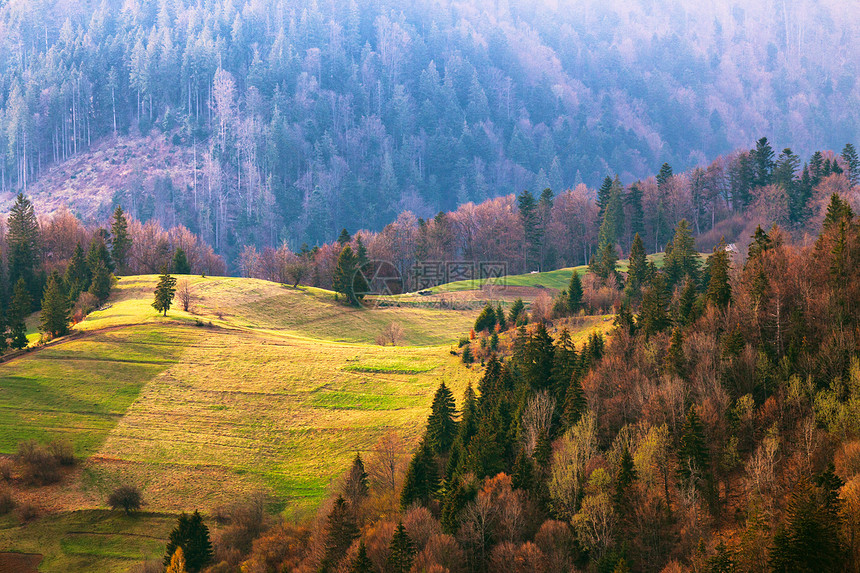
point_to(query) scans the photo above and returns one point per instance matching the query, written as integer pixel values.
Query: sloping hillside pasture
(260, 388)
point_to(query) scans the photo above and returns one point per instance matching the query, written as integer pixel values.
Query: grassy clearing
(557, 279)
(278, 310)
(91, 540)
(261, 400)
(78, 390)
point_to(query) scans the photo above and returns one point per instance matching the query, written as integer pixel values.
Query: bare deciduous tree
(537, 418)
(386, 465)
(391, 334)
(185, 295)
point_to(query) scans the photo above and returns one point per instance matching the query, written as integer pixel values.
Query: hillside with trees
(715, 430)
(287, 121)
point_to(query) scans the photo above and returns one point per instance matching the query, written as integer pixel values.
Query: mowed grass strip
(78, 390)
(266, 306)
(284, 415)
(92, 540)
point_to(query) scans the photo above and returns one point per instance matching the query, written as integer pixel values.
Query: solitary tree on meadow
(164, 293)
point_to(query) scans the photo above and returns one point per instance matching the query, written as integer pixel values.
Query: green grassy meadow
(557, 279)
(259, 388)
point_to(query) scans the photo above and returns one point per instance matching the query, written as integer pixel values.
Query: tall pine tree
(121, 240)
(56, 309)
(442, 425)
(22, 240)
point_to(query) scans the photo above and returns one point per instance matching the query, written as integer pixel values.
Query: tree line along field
(263, 388)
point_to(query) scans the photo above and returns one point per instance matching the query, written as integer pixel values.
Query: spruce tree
(344, 237)
(348, 277)
(456, 499)
(837, 211)
(539, 358)
(763, 163)
(342, 530)
(624, 479)
(468, 426)
(164, 292)
(761, 242)
(422, 478)
(18, 312)
(603, 195)
(523, 474)
(56, 309)
(500, 318)
(529, 218)
(22, 240)
(664, 175)
(441, 425)
(809, 539)
(563, 367)
(486, 319)
(361, 563)
(574, 293)
(485, 451)
(361, 258)
(78, 276)
(693, 455)
(516, 312)
(192, 535)
(356, 488)
(637, 270)
(633, 201)
(852, 164)
(816, 167)
(681, 260)
(180, 264)
(98, 252)
(101, 283)
(653, 316)
(121, 240)
(719, 290)
(575, 402)
(688, 303)
(401, 552)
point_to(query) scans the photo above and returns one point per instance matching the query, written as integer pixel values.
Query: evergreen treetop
(164, 292)
(192, 535)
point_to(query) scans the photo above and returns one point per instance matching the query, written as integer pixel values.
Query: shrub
(127, 497)
(7, 466)
(244, 522)
(39, 465)
(7, 504)
(63, 452)
(26, 512)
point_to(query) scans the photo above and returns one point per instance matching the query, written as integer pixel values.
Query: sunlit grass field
(259, 388)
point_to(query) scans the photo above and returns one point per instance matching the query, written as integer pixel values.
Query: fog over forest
(291, 120)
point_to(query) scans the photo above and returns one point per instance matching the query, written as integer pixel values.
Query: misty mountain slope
(309, 117)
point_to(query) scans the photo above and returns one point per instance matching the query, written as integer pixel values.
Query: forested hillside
(296, 119)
